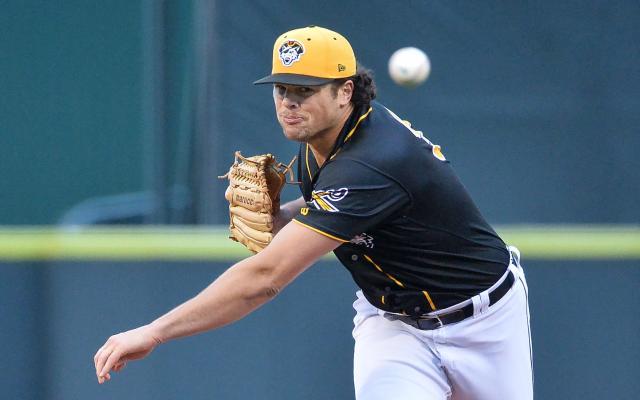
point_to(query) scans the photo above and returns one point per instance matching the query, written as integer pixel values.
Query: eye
(304, 90)
(279, 89)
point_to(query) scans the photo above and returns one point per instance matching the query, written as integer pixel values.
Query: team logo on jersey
(363, 240)
(325, 199)
(290, 52)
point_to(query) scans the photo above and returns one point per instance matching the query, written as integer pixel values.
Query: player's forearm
(238, 291)
(287, 212)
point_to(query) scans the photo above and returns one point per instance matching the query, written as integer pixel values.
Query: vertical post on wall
(205, 166)
(154, 109)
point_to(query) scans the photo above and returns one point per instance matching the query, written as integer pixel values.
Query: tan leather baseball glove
(253, 194)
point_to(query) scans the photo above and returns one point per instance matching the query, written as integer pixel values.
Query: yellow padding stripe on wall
(132, 243)
(21, 243)
(574, 242)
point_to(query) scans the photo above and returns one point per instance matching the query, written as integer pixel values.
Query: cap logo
(290, 52)
(341, 68)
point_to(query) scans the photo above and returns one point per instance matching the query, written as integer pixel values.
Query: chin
(295, 135)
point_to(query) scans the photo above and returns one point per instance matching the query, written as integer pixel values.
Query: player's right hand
(118, 349)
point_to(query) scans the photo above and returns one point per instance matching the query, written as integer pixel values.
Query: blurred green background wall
(536, 104)
(70, 109)
(126, 111)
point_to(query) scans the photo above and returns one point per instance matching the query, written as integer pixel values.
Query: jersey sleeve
(350, 198)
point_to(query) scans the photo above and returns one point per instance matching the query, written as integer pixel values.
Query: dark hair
(364, 88)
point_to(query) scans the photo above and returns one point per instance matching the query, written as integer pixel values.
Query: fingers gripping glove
(253, 194)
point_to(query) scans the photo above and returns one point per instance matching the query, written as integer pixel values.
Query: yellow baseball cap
(310, 56)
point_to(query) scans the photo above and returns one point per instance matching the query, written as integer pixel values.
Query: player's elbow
(263, 290)
(273, 271)
(271, 291)
(264, 282)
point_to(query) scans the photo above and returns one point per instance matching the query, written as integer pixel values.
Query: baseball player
(442, 308)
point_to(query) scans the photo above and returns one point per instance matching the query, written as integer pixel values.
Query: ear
(345, 92)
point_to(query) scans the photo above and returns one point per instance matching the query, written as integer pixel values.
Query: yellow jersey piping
(353, 130)
(426, 294)
(307, 161)
(363, 116)
(397, 282)
(320, 232)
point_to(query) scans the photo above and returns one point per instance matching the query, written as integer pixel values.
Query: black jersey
(413, 239)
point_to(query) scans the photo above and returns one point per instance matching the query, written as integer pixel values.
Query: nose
(289, 102)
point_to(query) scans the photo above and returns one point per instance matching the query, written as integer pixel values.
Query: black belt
(428, 323)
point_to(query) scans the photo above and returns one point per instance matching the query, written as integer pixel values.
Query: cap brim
(293, 79)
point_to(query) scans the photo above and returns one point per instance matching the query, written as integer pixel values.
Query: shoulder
(352, 169)
(385, 136)
(386, 118)
(346, 174)
(383, 143)
(382, 119)
(392, 139)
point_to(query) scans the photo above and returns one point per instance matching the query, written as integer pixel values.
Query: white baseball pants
(484, 357)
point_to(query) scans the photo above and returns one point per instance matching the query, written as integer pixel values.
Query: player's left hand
(118, 349)
(254, 190)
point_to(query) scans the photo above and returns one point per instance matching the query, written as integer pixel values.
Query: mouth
(292, 119)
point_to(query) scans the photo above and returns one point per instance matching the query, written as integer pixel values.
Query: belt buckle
(434, 319)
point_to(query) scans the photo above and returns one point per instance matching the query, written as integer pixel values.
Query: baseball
(409, 66)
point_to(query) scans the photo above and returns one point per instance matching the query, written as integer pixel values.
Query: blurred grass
(556, 242)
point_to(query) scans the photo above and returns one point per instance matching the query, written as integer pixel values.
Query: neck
(322, 145)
